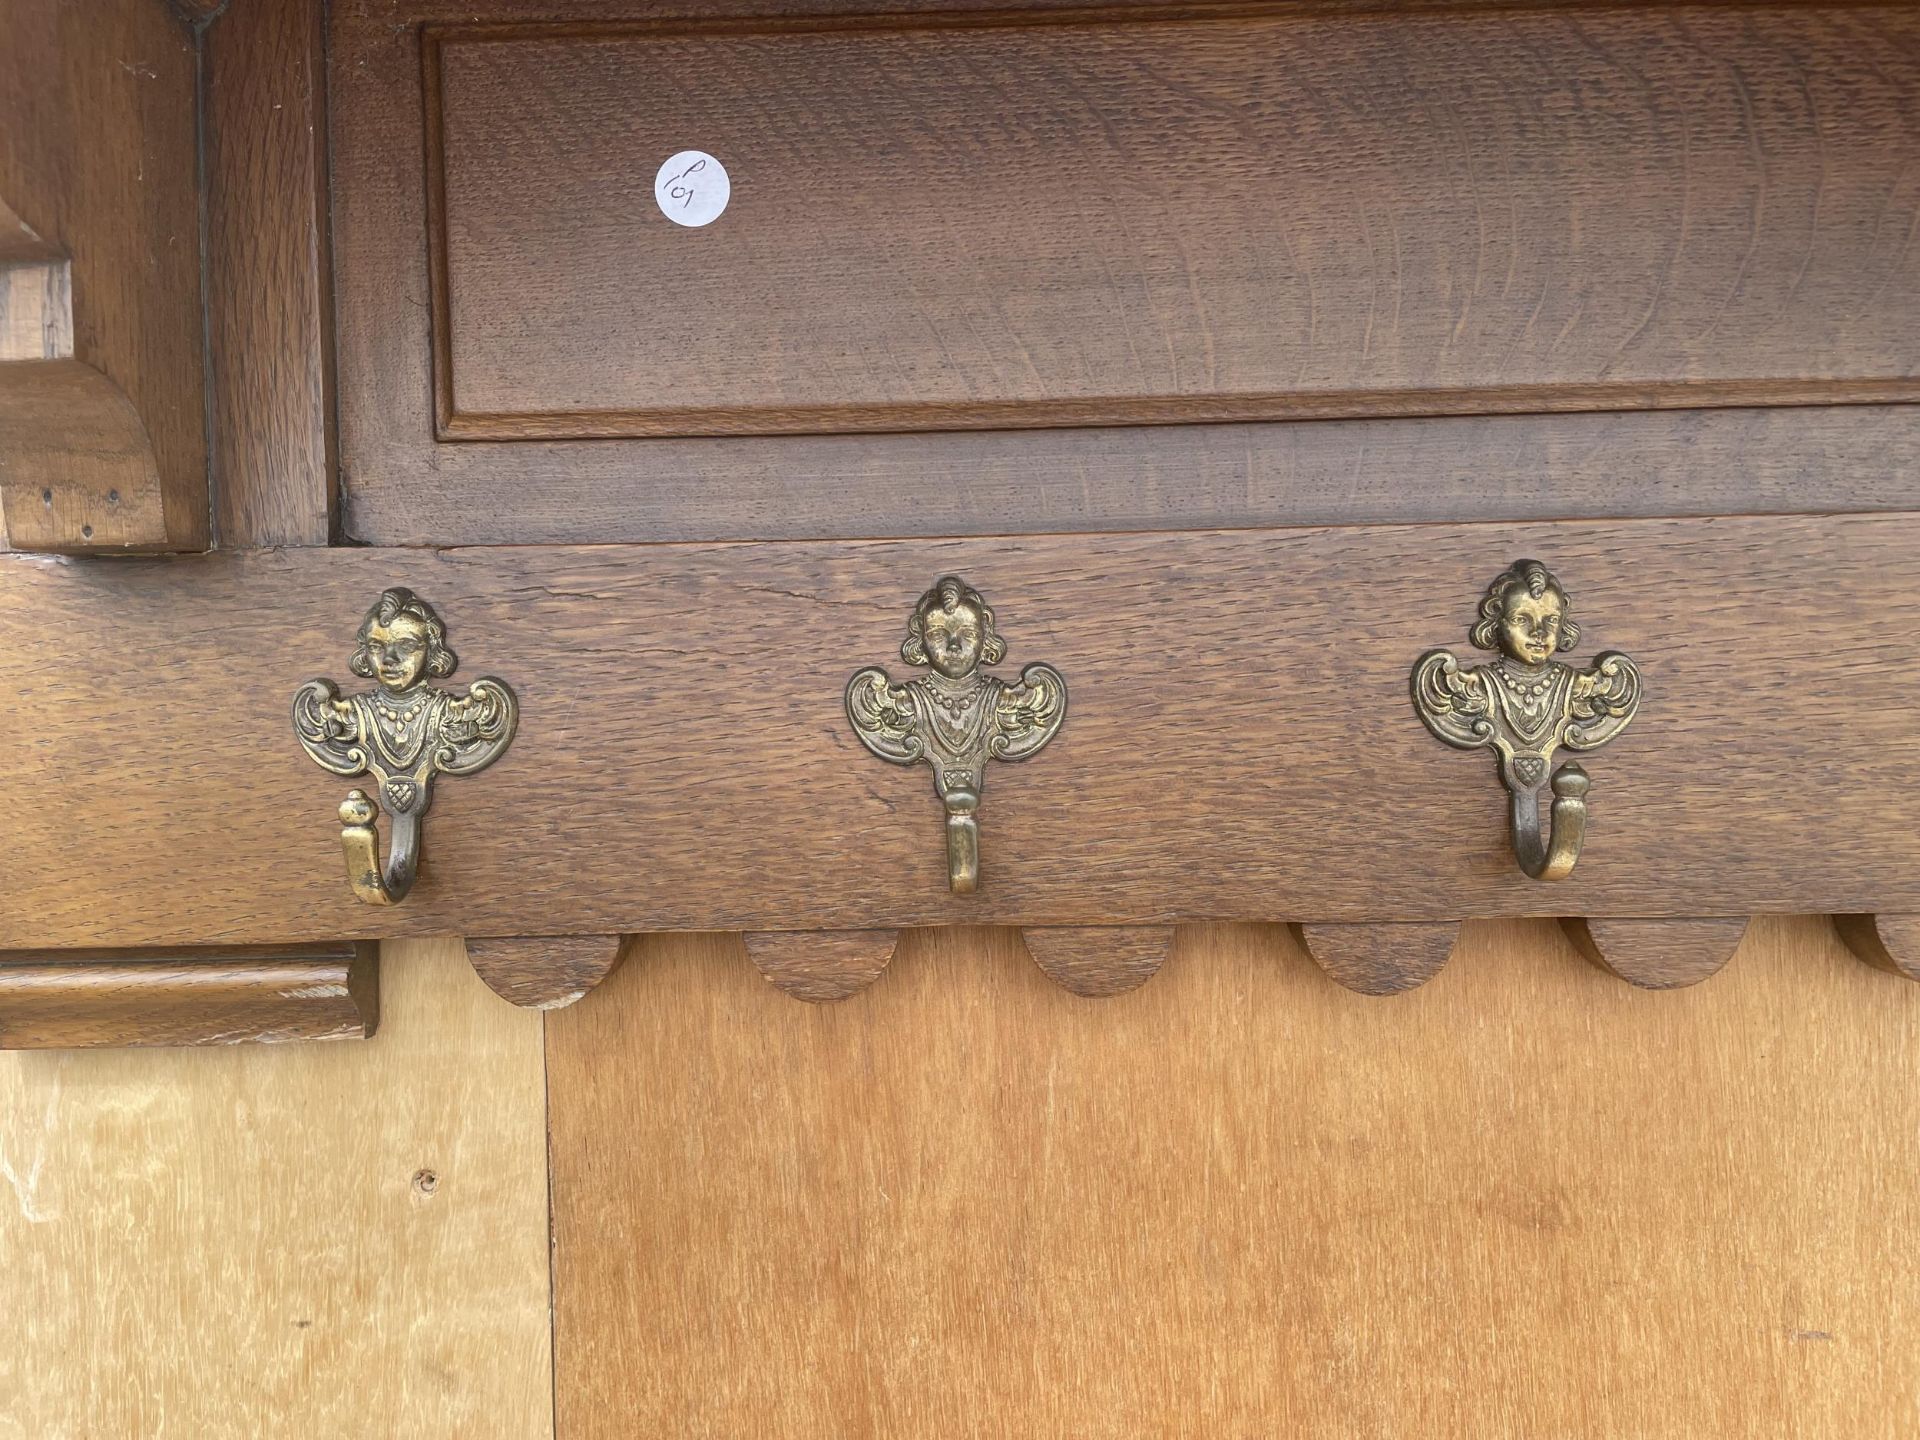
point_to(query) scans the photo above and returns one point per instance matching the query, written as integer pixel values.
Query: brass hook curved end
(1552, 857)
(963, 841)
(360, 842)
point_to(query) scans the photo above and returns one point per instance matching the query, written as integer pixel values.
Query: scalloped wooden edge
(1886, 942)
(1380, 959)
(1662, 954)
(1099, 961)
(544, 972)
(821, 966)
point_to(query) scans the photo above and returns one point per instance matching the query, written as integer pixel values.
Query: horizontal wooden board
(953, 222)
(1741, 226)
(1339, 472)
(1240, 742)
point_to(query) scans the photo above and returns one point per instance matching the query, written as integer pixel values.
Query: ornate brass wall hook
(403, 734)
(956, 717)
(1525, 705)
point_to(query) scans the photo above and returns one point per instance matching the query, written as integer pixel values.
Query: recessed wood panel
(955, 222)
(1459, 208)
(1523, 1200)
(1240, 742)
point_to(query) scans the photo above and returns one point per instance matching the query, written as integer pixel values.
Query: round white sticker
(692, 188)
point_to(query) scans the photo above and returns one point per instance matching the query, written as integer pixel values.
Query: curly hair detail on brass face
(1526, 615)
(951, 630)
(402, 641)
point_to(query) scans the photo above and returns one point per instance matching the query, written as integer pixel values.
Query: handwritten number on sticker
(685, 193)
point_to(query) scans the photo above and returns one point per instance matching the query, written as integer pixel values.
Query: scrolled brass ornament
(404, 733)
(956, 717)
(1525, 705)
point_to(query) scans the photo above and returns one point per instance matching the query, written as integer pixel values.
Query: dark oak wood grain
(1332, 472)
(821, 966)
(1567, 198)
(1658, 954)
(544, 972)
(683, 760)
(1380, 959)
(100, 158)
(188, 997)
(1097, 961)
(77, 466)
(269, 298)
(1889, 942)
(1240, 216)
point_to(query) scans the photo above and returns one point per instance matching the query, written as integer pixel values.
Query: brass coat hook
(403, 734)
(1525, 705)
(956, 717)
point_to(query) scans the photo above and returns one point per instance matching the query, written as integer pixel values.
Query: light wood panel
(1238, 700)
(1523, 1200)
(36, 294)
(297, 1241)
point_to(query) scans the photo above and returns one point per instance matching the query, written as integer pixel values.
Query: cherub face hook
(403, 734)
(956, 718)
(1525, 705)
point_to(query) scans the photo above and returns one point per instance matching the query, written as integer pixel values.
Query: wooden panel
(1337, 472)
(101, 159)
(955, 223)
(1470, 277)
(1237, 699)
(1241, 1201)
(192, 997)
(269, 304)
(298, 1241)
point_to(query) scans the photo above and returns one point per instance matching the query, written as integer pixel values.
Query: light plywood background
(1524, 1201)
(245, 1242)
